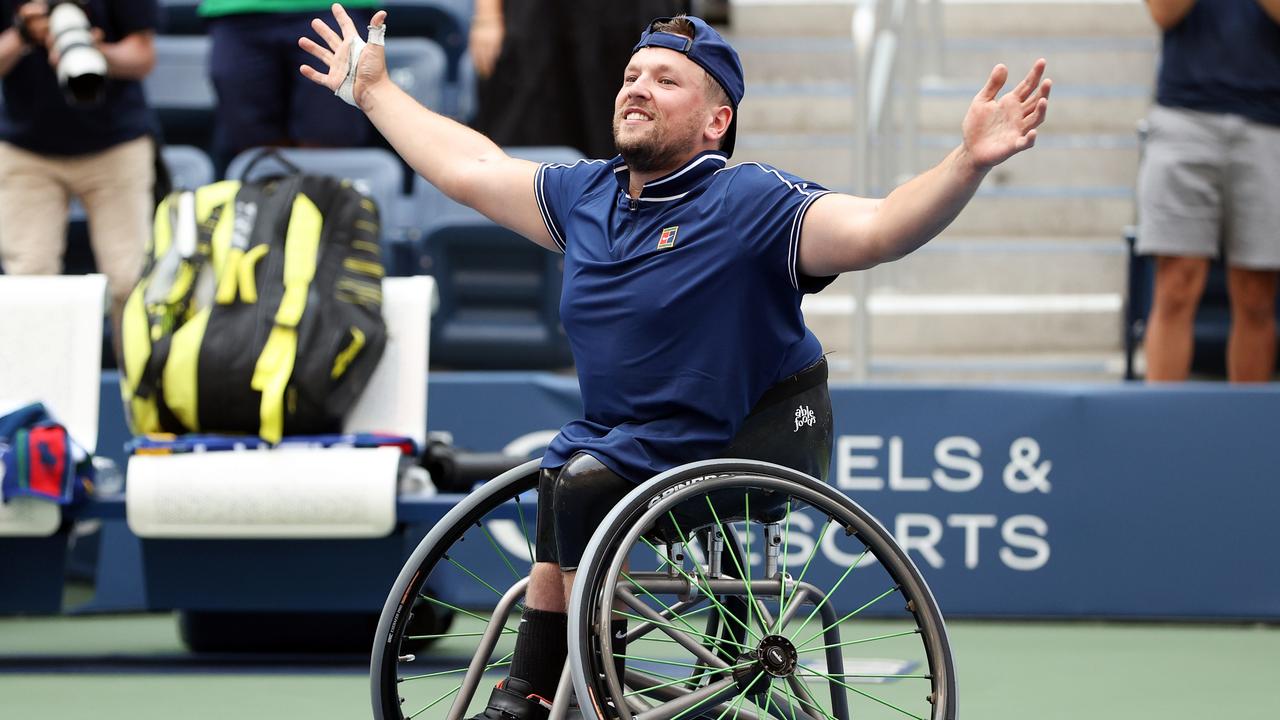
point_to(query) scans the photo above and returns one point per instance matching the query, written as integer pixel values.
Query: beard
(658, 148)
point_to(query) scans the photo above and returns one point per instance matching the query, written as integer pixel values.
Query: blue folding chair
(180, 92)
(499, 293)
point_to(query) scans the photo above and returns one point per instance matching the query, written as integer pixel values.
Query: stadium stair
(1028, 282)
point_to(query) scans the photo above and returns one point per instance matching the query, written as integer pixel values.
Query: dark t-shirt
(36, 115)
(1223, 57)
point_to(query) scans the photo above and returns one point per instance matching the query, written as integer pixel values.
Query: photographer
(75, 123)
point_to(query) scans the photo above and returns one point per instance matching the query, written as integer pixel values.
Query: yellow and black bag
(259, 310)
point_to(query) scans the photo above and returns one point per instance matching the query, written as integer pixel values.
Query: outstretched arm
(1168, 13)
(1271, 8)
(843, 233)
(464, 164)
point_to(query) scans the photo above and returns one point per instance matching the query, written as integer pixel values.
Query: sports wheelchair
(749, 590)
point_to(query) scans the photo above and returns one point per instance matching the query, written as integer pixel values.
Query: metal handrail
(886, 43)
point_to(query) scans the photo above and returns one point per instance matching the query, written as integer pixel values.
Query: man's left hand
(997, 129)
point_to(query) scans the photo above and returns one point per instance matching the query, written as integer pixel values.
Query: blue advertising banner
(1117, 501)
(1051, 501)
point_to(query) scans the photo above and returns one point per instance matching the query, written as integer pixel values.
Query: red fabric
(48, 457)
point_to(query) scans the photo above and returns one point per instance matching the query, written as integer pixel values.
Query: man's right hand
(372, 67)
(35, 18)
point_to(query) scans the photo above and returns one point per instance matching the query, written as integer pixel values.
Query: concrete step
(960, 18)
(1071, 212)
(1072, 61)
(957, 265)
(1057, 160)
(952, 368)
(829, 108)
(972, 324)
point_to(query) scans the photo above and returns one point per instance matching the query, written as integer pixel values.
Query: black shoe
(514, 699)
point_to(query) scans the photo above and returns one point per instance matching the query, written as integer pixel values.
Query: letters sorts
(872, 463)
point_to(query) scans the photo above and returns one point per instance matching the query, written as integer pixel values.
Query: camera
(82, 69)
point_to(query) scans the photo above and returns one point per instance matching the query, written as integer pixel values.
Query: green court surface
(137, 670)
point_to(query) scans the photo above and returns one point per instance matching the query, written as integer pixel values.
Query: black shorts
(791, 426)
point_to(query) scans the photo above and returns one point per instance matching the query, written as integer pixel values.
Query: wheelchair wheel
(827, 620)
(460, 590)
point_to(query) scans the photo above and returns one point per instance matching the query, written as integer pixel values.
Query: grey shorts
(1210, 182)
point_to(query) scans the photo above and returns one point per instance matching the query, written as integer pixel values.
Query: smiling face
(665, 112)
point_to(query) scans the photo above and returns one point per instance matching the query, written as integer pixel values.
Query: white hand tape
(377, 35)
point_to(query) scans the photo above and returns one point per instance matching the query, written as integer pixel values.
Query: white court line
(965, 304)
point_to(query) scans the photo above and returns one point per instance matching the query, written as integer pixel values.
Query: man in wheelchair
(683, 279)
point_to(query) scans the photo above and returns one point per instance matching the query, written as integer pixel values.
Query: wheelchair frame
(756, 658)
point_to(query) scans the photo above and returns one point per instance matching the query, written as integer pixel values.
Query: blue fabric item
(36, 116)
(1223, 57)
(682, 306)
(708, 49)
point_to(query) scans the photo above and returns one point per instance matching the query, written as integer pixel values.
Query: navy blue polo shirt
(1223, 57)
(36, 116)
(682, 306)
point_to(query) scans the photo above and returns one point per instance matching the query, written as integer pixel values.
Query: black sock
(541, 648)
(618, 628)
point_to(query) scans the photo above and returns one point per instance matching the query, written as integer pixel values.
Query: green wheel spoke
(782, 592)
(455, 608)
(501, 553)
(804, 704)
(524, 528)
(477, 578)
(868, 604)
(505, 631)
(696, 633)
(827, 595)
(696, 566)
(724, 612)
(645, 591)
(822, 534)
(662, 661)
(847, 643)
(506, 660)
(882, 676)
(745, 575)
(686, 680)
(866, 695)
(433, 703)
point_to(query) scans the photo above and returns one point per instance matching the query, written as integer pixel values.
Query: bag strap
(272, 153)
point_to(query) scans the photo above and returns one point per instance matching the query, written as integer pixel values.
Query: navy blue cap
(709, 50)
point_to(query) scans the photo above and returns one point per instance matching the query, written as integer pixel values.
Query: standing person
(515, 46)
(1207, 185)
(98, 149)
(261, 99)
(683, 278)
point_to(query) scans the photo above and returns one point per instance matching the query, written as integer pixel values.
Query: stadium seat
(375, 172)
(180, 91)
(418, 66)
(446, 22)
(499, 293)
(189, 167)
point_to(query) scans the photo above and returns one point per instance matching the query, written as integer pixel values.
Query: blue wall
(1120, 501)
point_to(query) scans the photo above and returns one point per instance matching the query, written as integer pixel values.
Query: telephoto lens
(82, 69)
